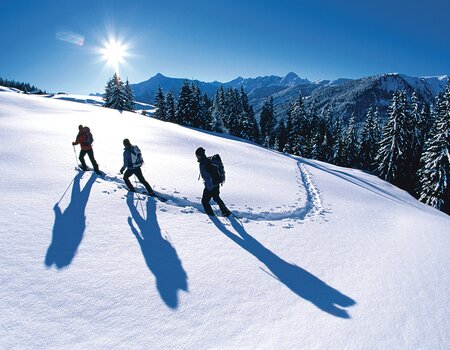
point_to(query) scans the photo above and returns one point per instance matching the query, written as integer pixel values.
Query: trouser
(138, 173)
(214, 194)
(90, 153)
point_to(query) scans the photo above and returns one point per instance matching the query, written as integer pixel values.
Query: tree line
(25, 87)
(411, 149)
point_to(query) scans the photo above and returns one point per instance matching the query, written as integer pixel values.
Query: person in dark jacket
(133, 168)
(212, 187)
(86, 148)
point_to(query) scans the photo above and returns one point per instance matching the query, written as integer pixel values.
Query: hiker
(212, 184)
(132, 161)
(85, 139)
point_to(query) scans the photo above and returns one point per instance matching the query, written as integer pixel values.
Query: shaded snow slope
(324, 257)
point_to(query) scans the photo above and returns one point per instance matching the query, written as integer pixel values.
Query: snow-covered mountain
(343, 96)
(323, 257)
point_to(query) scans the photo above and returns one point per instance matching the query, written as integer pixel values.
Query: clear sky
(55, 44)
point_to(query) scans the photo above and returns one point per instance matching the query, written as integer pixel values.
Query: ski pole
(75, 153)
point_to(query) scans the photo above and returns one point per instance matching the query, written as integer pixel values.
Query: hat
(126, 143)
(200, 151)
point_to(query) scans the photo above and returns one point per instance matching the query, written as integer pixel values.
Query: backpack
(136, 157)
(217, 169)
(89, 138)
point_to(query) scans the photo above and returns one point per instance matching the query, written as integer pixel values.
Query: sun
(114, 52)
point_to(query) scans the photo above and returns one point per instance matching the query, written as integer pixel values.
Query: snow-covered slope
(9, 89)
(98, 101)
(325, 257)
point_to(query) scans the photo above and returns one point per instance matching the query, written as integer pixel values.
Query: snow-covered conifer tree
(170, 107)
(434, 175)
(185, 111)
(338, 145)
(129, 97)
(115, 95)
(267, 122)
(217, 113)
(350, 146)
(205, 112)
(368, 146)
(160, 104)
(391, 156)
(249, 125)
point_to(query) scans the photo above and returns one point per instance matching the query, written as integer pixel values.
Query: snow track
(312, 204)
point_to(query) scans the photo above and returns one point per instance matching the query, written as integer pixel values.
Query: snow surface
(98, 101)
(325, 257)
(9, 89)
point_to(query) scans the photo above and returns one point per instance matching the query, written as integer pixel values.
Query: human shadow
(69, 226)
(159, 254)
(298, 280)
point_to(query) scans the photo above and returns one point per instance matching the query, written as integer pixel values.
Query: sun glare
(114, 53)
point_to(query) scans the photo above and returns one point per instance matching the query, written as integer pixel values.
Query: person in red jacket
(84, 139)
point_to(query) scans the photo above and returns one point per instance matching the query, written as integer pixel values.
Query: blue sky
(220, 40)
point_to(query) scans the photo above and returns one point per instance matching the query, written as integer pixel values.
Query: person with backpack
(132, 161)
(85, 139)
(213, 174)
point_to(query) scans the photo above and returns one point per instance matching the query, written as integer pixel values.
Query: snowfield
(323, 257)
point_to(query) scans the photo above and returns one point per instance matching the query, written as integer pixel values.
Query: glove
(73, 143)
(121, 171)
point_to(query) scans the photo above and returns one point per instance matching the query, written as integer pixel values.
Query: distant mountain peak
(292, 79)
(291, 75)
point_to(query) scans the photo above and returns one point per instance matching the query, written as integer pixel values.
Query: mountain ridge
(343, 96)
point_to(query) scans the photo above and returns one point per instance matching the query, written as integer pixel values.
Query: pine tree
(205, 113)
(185, 114)
(298, 126)
(196, 97)
(115, 95)
(160, 104)
(217, 112)
(369, 141)
(233, 112)
(288, 147)
(413, 142)
(425, 123)
(310, 130)
(434, 175)
(129, 97)
(391, 156)
(249, 125)
(170, 107)
(281, 136)
(267, 122)
(350, 147)
(338, 144)
(326, 136)
(107, 96)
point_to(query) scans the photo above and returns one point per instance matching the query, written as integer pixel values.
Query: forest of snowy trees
(409, 147)
(25, 87)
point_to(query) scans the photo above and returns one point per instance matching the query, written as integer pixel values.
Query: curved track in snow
(312, 203)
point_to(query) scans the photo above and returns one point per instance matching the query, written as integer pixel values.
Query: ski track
(313, 205)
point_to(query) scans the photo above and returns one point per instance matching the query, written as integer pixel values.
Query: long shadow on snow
(69, 226)
(160, 256)
(298, 280)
